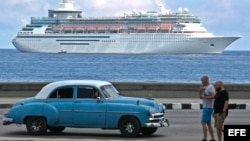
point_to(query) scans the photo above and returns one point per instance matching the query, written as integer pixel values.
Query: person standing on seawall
(221, 100)
(207, 93)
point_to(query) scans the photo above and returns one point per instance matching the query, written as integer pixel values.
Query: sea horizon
(231, 66)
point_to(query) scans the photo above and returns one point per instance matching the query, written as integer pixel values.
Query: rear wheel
(148, 131)
(129, 127)
(36, 125)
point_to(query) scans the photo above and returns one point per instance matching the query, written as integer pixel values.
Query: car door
(89, 111)
(62, 99)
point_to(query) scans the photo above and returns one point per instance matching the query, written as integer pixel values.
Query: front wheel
(129, 127)
(36, 125)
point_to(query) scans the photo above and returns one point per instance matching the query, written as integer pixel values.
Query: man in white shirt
(207, 95)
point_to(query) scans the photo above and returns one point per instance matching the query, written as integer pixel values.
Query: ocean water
(230, 66)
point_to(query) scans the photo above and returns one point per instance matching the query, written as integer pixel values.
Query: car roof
(43, 93)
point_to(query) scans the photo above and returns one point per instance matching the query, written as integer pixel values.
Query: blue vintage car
(86, 104)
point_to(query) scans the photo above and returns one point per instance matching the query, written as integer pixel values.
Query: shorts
(219, 120)
(206, 115)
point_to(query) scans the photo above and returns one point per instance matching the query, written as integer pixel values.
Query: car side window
(85, 92)
(62, 93)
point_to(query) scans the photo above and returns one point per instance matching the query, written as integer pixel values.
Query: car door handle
(77, 101)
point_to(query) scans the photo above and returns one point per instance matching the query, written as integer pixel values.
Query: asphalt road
(185, 126)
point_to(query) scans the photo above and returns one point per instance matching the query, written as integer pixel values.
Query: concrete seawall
(139, 89)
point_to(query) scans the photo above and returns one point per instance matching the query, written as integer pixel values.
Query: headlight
(150, 111)
(163, 108)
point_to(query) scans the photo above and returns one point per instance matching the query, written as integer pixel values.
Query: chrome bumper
(7, 121)
(157, 122)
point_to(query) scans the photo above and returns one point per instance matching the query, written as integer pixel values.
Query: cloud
(21, 10)
(24, 5)
(17, 2)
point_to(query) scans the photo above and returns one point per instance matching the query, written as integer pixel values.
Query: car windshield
(109, 91)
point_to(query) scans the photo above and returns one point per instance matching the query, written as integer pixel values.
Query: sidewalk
(170, 103)
(193, 103)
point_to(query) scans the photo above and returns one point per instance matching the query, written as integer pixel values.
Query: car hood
(149, 102)
(24, 101)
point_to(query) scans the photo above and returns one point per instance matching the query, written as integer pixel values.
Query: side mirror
(98, 99)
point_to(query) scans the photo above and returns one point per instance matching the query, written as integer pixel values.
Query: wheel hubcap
(129, 128)
(36, 125)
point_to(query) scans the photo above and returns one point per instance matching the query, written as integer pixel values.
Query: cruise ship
(66, 30)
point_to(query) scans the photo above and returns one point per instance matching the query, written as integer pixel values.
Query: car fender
(117, 111)
(51, 113)
(21, 111)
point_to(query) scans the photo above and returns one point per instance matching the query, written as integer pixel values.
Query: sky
(221, 17)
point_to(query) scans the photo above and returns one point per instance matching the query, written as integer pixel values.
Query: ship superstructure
(67, 30)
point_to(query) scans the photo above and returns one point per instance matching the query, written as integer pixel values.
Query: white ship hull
(65, 30)
(134, 43)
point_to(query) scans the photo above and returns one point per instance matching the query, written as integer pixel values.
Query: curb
(198, 106)
(176, 106)
(5, 106)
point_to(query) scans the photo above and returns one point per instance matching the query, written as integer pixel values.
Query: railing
(165, 26)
